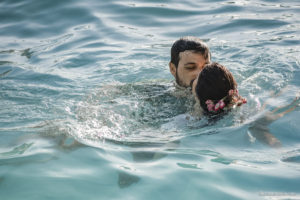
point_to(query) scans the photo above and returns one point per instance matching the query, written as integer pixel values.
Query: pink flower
(219, 105)
(210, 105)
(222, 104)
(233, 92)
(209, 102)
(241, 101)
(210, 108)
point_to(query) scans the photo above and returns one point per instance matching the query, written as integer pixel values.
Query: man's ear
(172, 69)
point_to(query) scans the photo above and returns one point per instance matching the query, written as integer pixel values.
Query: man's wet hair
(214, 83)
(190, 43)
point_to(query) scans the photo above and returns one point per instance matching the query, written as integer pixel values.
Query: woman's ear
(172, 69)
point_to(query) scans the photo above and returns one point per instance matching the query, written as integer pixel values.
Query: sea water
(89, 109)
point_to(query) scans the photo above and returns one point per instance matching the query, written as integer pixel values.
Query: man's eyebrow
(190, 63)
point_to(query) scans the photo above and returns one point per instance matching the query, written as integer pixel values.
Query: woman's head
(215, 84)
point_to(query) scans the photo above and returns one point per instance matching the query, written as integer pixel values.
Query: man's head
(188, 57)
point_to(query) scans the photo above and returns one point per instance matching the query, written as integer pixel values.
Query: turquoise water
(88, 108)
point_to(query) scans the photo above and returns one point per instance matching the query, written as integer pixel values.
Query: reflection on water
(125, 180)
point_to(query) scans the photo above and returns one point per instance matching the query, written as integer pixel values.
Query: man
(188, 57)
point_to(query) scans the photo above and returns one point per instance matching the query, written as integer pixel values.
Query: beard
(178, 81)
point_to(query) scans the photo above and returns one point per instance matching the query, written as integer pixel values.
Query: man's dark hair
(189, 43)
(214, 83)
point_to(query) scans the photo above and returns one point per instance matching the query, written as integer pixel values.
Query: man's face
(189, 66)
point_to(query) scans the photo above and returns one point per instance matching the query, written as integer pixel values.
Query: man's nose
(195, 73)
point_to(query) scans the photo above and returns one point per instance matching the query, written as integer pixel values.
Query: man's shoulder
(180, 91)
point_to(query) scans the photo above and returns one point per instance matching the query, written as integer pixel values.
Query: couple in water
(212, 84)
(215, 89)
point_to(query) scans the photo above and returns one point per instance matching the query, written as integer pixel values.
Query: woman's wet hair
(189, 43)
(214, 83)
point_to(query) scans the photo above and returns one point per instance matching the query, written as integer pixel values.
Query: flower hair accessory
(211, 107)
(236, 99)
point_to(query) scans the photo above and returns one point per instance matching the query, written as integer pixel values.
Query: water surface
(88, 107)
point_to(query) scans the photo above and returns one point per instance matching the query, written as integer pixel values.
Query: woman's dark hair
(189, 43)
(214, 83)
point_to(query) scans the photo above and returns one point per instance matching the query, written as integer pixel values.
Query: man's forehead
(188, 53)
